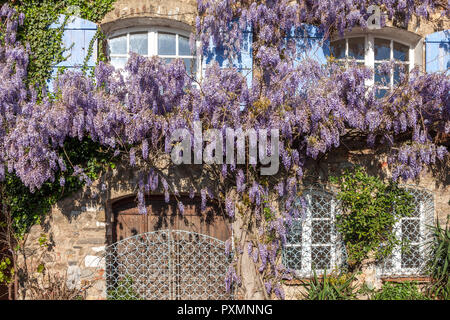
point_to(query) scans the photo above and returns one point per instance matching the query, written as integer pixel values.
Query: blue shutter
(437, 52)
(78, 34)
(243, 61)
(310, 44)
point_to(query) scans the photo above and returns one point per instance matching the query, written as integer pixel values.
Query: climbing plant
(46, 48)
(370, 208)
(315, 107)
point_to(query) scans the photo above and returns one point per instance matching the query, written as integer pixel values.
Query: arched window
(375, 48)
(166, 43)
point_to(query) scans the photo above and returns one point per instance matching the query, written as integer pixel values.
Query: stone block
(101, 216)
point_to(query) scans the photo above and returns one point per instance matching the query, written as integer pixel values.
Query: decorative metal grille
(313, 241)
(167, 265)
(411, 258)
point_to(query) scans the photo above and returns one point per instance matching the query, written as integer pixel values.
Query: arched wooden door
(166, 255)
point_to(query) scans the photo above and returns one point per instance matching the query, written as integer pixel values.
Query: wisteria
(314, 106)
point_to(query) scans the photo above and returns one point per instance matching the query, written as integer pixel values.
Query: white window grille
(166, 43)
(372, 51)
(412, 256)
(312, 241)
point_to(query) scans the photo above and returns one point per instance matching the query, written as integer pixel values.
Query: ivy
(370, 209)
(47, 50)
(45, 43)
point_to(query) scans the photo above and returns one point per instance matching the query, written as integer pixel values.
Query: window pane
(381, 77)
(191, 66)
(118, 63)
(166, 44)
(139, 43)
(400, 73)
(411, 257)
(320, 205)
(183, 46)
(321, 232)
(411, 230)
(338, 49)
(380, 93)
(321, 257)
(356, 48)
(418, 200)
(118, 45)
(168, 60)
(293, 257)
(294, 235)
(382, 49)
(401, 52)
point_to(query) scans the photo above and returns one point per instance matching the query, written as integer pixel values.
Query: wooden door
(182, 251)
(166, 216)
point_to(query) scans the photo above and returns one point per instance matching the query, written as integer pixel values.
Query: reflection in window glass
(356, 48)
(400, 73)
(184, 48)
(344, 50)
(191, 65)
(118, 45)
(382, 49)
(167, 44)
(381, 77)
(338, 49)
(168, 60)
(380, 93)
(401, 52)
(118, 62)
(139, 43)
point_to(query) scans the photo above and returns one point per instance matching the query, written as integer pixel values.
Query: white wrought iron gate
(167, 265)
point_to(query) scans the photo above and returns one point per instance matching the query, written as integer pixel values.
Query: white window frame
(152, 49)
(369, 53)
(394, 261)
(307, 245)
(397, 252)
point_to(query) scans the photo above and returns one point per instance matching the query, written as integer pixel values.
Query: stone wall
(79, 227)
(171, 13)
(436, 181)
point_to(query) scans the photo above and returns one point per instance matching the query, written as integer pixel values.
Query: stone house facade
(82, 228)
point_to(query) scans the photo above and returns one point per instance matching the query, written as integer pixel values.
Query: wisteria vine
(314, 106)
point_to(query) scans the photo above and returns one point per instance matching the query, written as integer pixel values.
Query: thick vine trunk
(251, 287)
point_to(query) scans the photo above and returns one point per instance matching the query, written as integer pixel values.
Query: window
(410, 258)
(165, 43)
(312, 241)
(373, 51)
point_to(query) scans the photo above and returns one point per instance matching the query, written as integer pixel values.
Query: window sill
(295, 282)
(299, 281)
(406, 279)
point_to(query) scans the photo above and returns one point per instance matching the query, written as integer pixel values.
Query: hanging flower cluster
(314, 106)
